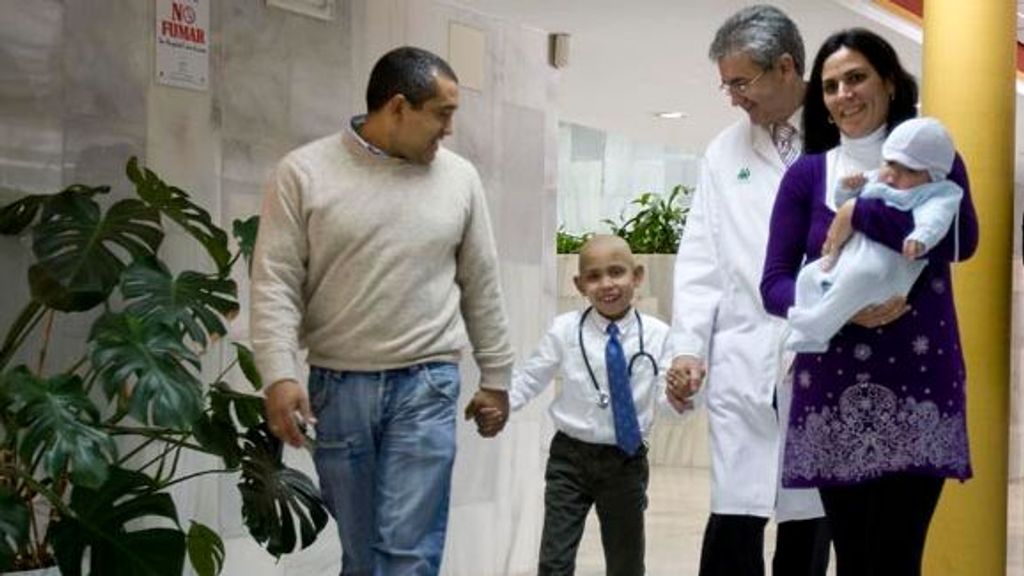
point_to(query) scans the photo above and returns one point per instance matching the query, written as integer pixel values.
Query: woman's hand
(877, 315)
(838, 233)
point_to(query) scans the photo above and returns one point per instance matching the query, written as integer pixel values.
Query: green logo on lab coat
(743, 175)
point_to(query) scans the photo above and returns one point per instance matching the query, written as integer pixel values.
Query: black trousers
(734, 546)
(580, 475)
(879, 527)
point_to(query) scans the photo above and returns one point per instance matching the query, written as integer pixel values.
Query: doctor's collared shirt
(576, 409)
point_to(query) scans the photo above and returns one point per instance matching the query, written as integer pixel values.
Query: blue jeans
(384, 453)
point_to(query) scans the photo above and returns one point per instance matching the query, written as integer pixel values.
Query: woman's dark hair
(819, 134)
(408, 71)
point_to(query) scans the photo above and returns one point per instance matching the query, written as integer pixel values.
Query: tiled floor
(675, 523)
(679, 507)
(677, 511)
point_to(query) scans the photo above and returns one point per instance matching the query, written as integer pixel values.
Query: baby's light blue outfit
(866, 271)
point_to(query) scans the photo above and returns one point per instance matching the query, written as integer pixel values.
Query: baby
(918, 156)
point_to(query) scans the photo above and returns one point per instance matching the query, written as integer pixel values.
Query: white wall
(625, 66)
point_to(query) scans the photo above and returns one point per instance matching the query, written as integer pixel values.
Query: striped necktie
(627, 427)
(784, 138)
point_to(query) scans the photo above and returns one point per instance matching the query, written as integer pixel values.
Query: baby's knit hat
(921, 144)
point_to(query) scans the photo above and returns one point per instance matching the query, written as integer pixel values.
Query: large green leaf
(149, 361)
(274, 497)
(248, 408)
(82, 250)
(194, 302)
(13, 526)
(101, 524)
(219, 436)
(205, 550)
(217, 430)
(17, 215)
(244, 232)
(247, 362)
(175, 204)
(59, 423)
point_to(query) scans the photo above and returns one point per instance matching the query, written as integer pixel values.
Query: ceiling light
(671, 115)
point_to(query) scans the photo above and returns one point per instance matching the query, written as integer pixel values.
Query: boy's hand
(683, 380)
(489, 409)
(913, 249)
(678, 404)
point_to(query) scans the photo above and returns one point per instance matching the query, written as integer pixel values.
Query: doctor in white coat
(719, 327)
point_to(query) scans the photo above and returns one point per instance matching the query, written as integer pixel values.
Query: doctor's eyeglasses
(740, 87)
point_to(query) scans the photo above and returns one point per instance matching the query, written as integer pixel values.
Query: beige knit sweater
(374, 263)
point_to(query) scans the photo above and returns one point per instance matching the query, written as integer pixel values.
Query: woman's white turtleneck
(853, 155)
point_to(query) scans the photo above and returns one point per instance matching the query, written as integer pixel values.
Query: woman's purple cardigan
(880, 400)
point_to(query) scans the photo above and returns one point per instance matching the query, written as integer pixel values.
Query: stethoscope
(602, 396)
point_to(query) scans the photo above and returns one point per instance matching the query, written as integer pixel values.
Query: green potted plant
(569, 243)
(658, 223)
(89, 450)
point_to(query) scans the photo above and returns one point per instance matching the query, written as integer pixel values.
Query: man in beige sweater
(375, 253)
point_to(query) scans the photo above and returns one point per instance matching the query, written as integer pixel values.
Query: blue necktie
(627, 428)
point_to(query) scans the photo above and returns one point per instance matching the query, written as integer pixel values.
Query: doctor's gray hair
(764, 33)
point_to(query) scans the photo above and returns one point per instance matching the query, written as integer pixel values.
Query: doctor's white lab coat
(718, 316)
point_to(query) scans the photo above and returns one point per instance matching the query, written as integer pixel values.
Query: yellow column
(968, 81)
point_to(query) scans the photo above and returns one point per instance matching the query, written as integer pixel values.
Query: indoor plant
(658, 223)
(655, 228)
(96, 444)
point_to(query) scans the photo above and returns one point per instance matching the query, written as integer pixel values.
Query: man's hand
(838, 233)
(489, 408)
(283, 399)
(683, 380)
(879, 314)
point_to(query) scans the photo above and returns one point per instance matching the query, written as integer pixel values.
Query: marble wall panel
(248, 32)
(250, 161)
(319, 99)
(523, 76)
(520, 209)
(328, 43)
(96, 151)
(31, 92)
(30, 58)
(473, 138)
(31, 153)
(254, 100)
(252, 72)
(285, 78)
(106, 63)
(106, 58)
(426, 24)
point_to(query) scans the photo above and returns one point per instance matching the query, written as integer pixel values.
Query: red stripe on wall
(915, 8)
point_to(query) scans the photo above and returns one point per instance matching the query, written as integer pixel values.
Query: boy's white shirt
(575, 409)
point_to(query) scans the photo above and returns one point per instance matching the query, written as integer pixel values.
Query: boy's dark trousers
(579, 475)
